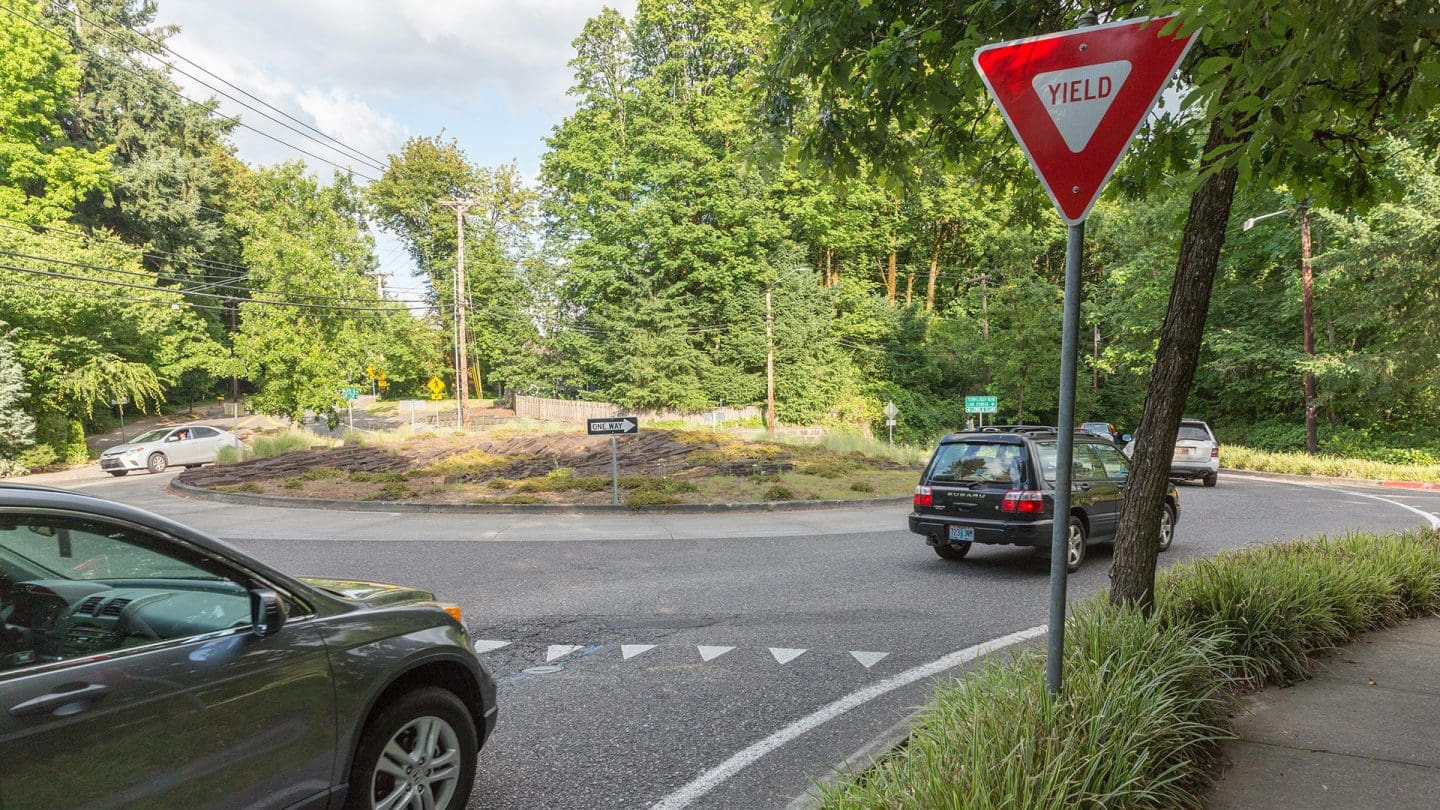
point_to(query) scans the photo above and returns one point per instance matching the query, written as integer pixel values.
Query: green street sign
(350, 394)
(981, 405)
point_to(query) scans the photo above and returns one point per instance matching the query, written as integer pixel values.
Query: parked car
(997, 486)
(1197, 453)
(144, 664)
(155, 450)
(1104, 430)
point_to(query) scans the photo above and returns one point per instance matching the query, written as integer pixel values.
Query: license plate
(962, 534)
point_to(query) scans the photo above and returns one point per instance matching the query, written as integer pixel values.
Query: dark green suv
(996, 485)
(143, 664)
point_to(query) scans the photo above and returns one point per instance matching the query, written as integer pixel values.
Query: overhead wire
(342, 147)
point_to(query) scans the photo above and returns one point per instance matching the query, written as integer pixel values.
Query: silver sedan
(155, 450)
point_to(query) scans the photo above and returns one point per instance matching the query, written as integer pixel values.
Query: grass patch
(1244, 458)
(1147, 700)
(468, 463)
(778, 492)
(363, 477)
(280, 442)
(862, 486)
(393, 491)
(644, 498)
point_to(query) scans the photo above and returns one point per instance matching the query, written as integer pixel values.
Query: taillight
(1215, 452)
(924, 497)
(1025, 502)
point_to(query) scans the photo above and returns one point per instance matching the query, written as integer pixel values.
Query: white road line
(560, 650)
(485, 645)
(867, 659)
(628, 651)
(711, 653)
(709, 780)
(784, 655)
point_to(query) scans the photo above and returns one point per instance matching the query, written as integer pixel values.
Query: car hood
(374, 594)
(121, 449)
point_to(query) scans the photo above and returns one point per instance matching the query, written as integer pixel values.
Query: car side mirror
(267, 612)
(1127, 438)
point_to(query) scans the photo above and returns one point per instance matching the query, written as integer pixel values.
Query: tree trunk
(830, 277)
(890, 277)
(909, 288)
(1132, 572)
(934, 269)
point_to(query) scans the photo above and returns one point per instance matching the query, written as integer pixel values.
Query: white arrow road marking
(711, 653)
(628, 651)
(709, 780)
(560, 651)
(784, 655)
(867, 659)
(485, 645)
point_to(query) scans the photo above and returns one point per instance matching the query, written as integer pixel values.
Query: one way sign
(614, 426)
(1076, 99)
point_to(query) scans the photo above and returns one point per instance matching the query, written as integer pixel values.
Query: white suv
(1197, 453)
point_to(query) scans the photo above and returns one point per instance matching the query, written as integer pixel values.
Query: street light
(770, 423)
(1307, 299)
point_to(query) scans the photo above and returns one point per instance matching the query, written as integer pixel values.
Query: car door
(1117, 469)
(131, 675)
(178, 447)
(1095, 491)
(208, 442)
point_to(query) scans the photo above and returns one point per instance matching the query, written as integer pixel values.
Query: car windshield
(150, 436)
(1196, 433)
(984, 462)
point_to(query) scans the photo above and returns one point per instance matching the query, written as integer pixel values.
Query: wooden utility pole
(1095, 366)
(769, 363)
(462, 374)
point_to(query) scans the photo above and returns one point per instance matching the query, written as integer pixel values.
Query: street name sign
(981, 405)
(1075, 99)
(612, 426)
(412, 404)
(350, 394)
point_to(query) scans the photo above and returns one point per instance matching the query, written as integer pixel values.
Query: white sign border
(1005, 114)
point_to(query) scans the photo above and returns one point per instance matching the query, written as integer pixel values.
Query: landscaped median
(1148, 700)
(508, 469)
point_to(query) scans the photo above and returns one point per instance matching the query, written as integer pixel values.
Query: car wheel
(117, 473)
(1075, 546)
(953, 552)
(1167, 527)
(157, 463)
(420, 749)
(1211, 479)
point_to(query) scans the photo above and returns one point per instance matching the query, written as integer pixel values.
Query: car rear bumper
(990, 532)
(1193, 469)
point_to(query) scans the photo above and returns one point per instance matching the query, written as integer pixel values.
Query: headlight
(134, 451)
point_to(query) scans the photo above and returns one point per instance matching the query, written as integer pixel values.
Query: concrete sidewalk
(1365, 732)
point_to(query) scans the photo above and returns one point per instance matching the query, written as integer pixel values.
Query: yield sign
(1075, 99)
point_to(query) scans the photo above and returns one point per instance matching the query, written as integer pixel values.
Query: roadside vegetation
(269, 445)
(1245, 458)
(1147, 701)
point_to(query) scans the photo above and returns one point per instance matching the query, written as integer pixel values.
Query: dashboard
(48, 620)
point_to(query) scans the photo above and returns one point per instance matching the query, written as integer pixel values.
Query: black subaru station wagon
(996, 485)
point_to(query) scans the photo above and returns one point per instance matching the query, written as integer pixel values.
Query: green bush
(778, 493)
(229, 455)
(379, 477)
(38, 457)
(643, 498)
(393, 491)
(499, 483)
(294, 483)
(280, 442)
(862, 486)
(1147, 700)
(1237, 457)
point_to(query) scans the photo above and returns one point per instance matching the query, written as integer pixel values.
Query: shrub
(1146, 701)
(499, 483)
(1245, 458)
(862, 486)
(284, 441)
(363, 477)
(37, 457)
(229, 455)
(779, 493)
(294, 483)
(642, 498)
(393, 491)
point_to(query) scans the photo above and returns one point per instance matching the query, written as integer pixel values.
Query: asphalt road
(613, 721)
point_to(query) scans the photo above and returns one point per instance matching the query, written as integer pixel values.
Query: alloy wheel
(1167, 529)
(418, 768)
(1075, 549)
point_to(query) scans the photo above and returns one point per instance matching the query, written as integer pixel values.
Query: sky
(492, 74)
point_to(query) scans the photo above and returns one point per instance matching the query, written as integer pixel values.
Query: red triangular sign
(1075, 99)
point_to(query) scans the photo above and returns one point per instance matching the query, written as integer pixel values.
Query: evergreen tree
(17, 429)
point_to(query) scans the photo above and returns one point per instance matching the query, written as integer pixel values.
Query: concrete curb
(178, 487)
(1330, 479)
(881, 745)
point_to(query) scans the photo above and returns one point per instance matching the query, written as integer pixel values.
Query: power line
(356, 154)
(169, 89)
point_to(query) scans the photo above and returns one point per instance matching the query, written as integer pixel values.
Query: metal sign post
(890, 413)
(119, 403)
(1075, 100)
(612, 427)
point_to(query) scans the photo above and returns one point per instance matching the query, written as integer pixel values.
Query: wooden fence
(575, 410)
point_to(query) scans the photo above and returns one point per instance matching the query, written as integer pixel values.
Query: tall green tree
(17, 428)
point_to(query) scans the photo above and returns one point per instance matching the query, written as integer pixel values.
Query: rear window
(979, 462)
(1196, 433)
